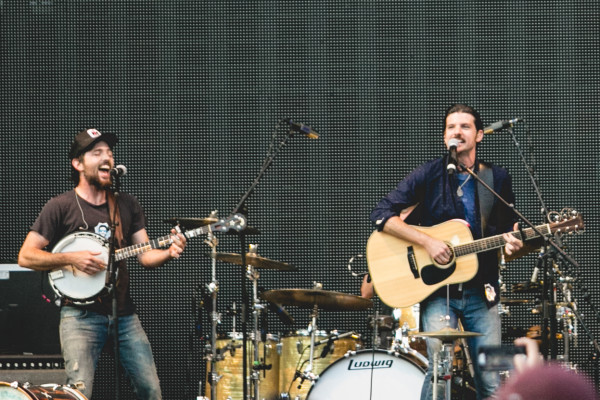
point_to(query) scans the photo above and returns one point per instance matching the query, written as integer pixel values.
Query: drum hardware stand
(376, 338)
(572, 268)
(465, 349)
(467, 365)
(447, 357)
(442, 360)
(215, 317)
(564, 315)
(312, 328)
(257, 366)
(242, 208)
(401, 343)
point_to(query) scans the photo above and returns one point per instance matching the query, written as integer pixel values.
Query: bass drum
(370, 374)
(15, 391)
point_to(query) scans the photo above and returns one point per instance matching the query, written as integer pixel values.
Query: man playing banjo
(85, 214)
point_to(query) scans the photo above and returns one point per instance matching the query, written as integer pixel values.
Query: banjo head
(67, 281)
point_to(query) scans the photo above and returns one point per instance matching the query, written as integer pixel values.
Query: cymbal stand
(215, 317)
(445, 357)
(566, 314)
(312, 328)
(253, 274)
(376, 338)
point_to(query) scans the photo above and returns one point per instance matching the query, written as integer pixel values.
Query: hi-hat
(192, 223)
(323, 299)
(254, 260)
(448, 334)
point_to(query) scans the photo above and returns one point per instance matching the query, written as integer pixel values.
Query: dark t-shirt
(66, 213)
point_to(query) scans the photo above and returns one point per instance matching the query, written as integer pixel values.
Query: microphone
(118, 171)
(327, 347)
(452, 160)
(303, 129)
(502, 124)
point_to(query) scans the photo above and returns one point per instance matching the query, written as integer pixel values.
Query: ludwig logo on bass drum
(368, 364)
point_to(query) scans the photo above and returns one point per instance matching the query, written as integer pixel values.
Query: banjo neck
(167, 240)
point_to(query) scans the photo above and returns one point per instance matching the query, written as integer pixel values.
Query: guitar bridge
(412, 262)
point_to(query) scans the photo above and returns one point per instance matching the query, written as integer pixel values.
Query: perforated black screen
(194, 91)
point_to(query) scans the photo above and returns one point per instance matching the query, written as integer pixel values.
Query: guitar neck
(495, 242)
(158, 243)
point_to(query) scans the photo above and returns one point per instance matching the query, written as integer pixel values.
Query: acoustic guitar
(404, 274)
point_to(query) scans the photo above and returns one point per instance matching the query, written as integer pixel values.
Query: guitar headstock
(567, 221)
(236, 221)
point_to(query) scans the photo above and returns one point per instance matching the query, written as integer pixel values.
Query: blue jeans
(84, 333)
(475, 317)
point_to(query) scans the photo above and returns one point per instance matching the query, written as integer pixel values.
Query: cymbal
(448, 334)
(254, 260)
(324, 299)
(510, 302)
(192, 223)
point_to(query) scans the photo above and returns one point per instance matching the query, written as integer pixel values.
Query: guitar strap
(111, 208)
(486, 198)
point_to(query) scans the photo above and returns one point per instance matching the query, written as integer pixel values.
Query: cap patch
(94, 133)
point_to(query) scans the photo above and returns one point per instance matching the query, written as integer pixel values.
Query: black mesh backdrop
(194, 91)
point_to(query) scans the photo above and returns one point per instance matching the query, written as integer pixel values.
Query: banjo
(82, 288)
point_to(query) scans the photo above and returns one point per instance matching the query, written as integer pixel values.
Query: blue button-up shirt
(430, 186)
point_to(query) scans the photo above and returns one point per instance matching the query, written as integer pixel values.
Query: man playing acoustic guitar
(440, 196)
(84, 329)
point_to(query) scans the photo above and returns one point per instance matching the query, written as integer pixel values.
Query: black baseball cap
(87, 138)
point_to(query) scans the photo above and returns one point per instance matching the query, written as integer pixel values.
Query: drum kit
(315, 364)
(311, 363)
(307, 363)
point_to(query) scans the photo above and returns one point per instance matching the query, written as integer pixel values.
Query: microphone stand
(111, 283)
(242, 208)
(530, 172)
(548, 300)
(546, 294)
(548, 244)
